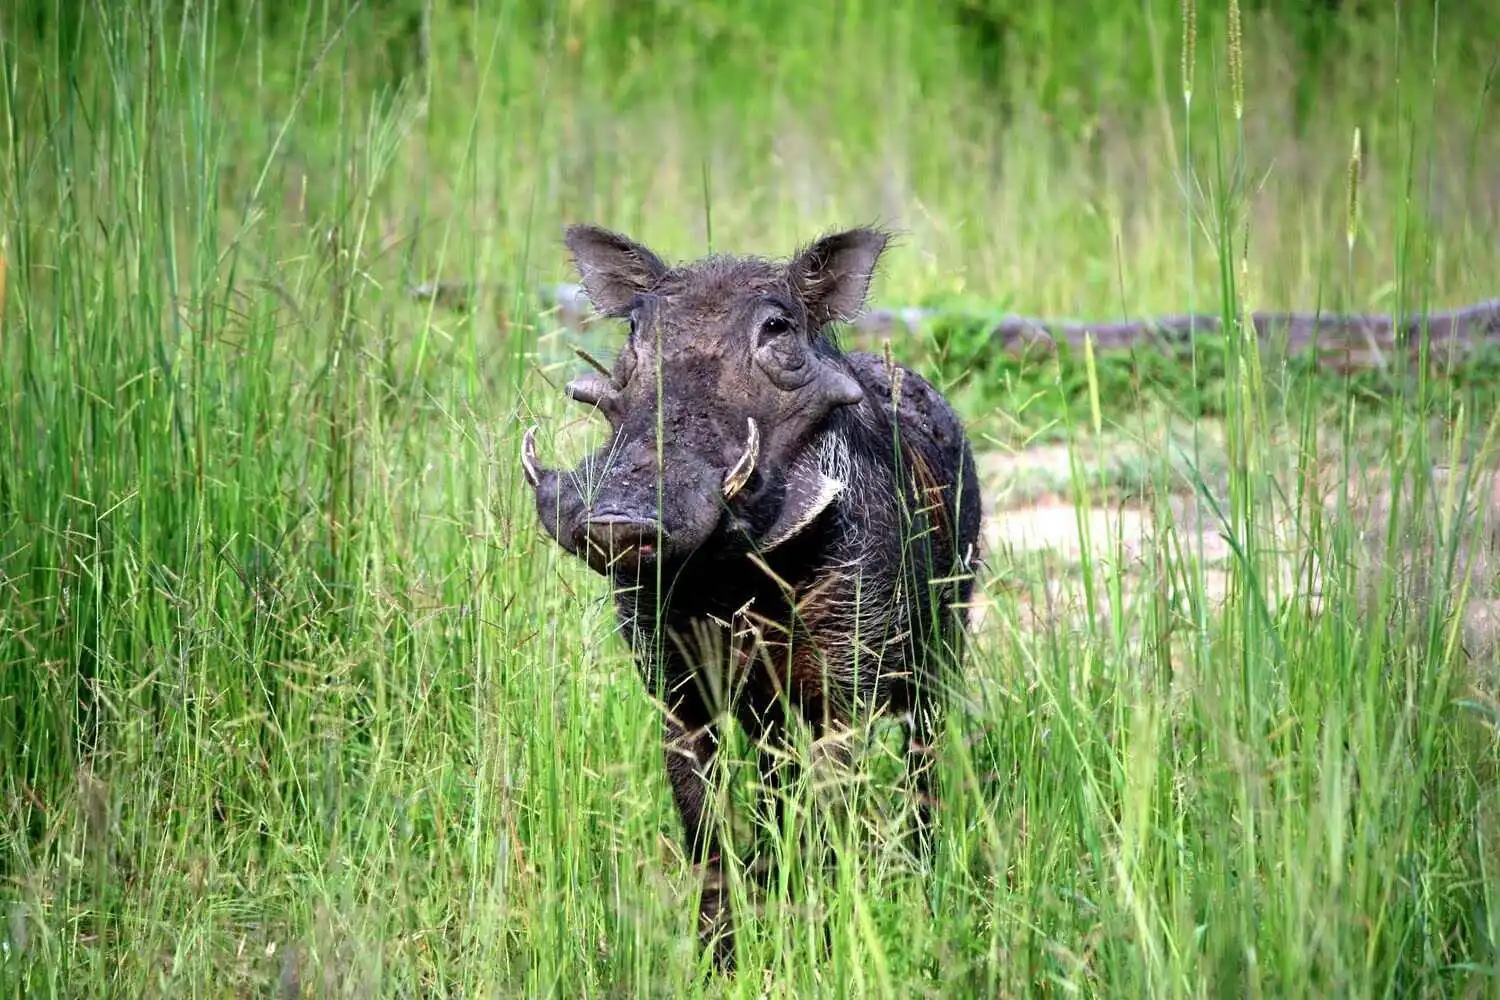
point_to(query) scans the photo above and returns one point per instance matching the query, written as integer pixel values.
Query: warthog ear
(833, 275)
(614, 268)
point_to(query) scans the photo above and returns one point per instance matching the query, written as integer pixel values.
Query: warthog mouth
(626, 538)
(622, 538)
(619, 542)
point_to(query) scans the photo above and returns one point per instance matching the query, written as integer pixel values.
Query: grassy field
(297, 700)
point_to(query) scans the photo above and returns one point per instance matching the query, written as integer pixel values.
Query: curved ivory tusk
(528, 456)
(587, 390)
(740, 474)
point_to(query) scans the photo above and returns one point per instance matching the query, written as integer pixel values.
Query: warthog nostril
(627, 539)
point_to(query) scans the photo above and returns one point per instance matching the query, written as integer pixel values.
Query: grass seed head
(1352, 215)
(1189, 47)
(1236, 60)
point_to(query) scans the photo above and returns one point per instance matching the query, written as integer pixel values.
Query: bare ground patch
(1042, 548)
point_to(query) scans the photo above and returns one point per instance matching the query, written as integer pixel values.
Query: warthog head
(717, 401)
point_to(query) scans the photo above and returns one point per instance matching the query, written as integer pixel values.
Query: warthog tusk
(528, 455)
(587, 389)
(740, 474)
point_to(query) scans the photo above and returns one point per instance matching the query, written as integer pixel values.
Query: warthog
(790, 529)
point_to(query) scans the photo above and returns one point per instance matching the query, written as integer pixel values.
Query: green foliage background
(295, 700)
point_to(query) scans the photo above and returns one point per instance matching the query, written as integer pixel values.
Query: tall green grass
(296, 700)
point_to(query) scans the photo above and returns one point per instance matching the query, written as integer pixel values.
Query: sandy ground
(1055, 535)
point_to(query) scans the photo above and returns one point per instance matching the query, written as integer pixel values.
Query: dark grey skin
(800, 538)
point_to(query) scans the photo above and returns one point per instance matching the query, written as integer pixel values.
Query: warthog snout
(619, 542)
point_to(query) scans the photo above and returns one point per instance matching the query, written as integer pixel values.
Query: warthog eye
(775, 326)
